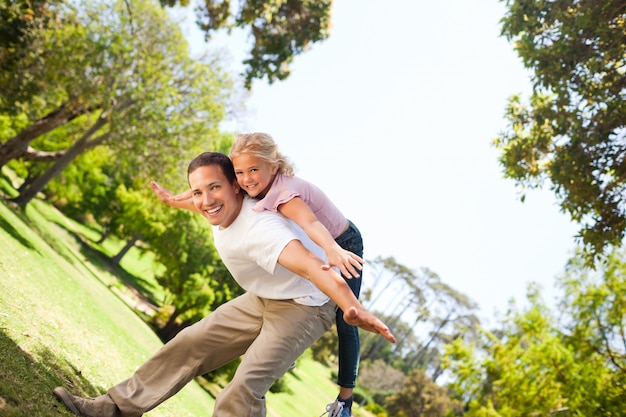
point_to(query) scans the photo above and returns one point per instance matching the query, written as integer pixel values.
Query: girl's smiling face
(254, 175)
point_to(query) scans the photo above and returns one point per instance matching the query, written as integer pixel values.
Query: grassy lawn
(60, 324)
(65, 320)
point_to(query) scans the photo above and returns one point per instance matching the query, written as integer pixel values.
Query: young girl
(265, 174)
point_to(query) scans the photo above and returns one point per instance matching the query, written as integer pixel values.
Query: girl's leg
(349, 346)
(348, 336)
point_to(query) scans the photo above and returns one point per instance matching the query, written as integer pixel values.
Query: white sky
(393, 117)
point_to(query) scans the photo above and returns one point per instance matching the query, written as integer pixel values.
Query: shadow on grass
(90, 255)
(103, 261)
(15, 234)
(294, 374)
(6, 185)
(27, 380)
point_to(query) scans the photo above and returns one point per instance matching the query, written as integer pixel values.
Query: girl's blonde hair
(263, 147)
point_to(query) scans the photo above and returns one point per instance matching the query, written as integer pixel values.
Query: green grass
(311, 387)
(65, 320)
(59, 325)
(137, 269)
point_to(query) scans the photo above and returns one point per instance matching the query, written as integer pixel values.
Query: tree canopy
(279, 30)
(535, 362)
(18, 21)
(119, 81)
(571, 133)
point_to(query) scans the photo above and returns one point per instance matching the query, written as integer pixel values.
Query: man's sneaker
(70, 401)
(338, 409)
(100, 406)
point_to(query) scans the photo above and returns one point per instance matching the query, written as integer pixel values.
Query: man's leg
(288, 330)
(219, 338)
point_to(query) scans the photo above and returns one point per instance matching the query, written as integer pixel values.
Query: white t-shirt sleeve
(265, 252)
(250, 248)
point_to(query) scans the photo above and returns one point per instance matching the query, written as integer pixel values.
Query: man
(281, 314)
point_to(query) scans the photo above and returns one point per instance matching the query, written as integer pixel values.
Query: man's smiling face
(214, 196)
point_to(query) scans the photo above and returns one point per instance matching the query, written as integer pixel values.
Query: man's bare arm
(299, 260)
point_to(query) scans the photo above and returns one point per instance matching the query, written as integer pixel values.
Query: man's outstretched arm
(299, 260)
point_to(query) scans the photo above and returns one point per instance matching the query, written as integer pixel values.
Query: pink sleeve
(284, 189)
(279, 193)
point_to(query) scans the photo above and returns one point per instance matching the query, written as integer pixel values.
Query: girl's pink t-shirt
(286, 188)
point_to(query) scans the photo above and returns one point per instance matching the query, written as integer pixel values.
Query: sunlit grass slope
(61, 324)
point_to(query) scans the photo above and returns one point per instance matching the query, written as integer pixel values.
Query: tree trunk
(29, 178)
(117, 258)
(105, 234)
(33, 154)
(434, 334)
(171, 328)
(41, 181)
(81, 145)
(17, 146)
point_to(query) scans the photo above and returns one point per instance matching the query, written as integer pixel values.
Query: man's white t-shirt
(250, 248)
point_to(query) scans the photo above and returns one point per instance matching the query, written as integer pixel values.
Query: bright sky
(393, 117)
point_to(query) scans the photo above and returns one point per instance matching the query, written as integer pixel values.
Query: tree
(196, 280)
(421, 397)
(523, 371)
(18, 20)
(38, 77)
(377, 376)
(87, 191)
(572, 132)
(142, 94)
(536, 363)
(594, 310)
(425, 314)
(280, 30)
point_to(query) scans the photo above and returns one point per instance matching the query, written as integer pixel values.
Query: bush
(376, 409)
(280, 385)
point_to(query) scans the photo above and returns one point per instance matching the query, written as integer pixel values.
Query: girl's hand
(183, 200)
(348, 263)
(163, 194)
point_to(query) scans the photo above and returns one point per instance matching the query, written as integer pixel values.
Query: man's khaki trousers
(270, 335)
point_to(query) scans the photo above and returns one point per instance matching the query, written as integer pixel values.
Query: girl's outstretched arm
(298, 211)
(183, 200)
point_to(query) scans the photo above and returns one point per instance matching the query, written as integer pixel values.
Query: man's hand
(367, 321)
